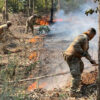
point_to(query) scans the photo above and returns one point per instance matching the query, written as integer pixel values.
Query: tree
(46, 3)
(91, 11)
(58, 5)
(52, 11)
(98, 81)
(6, 10)
(33, 6)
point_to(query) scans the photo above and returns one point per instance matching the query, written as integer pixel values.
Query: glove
(92, 62)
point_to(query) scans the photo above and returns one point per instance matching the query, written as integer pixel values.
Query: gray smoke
(75, 23)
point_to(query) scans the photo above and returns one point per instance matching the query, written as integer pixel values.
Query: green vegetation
(40, 5)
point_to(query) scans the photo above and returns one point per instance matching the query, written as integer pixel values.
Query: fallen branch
(41, 77)
(37, 78)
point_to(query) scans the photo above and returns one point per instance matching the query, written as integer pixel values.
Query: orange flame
(42, 21)
(34, 56)
(34, 86)
(35, 39)
(58, 20)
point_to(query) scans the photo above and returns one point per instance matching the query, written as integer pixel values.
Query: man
(4, 29)
(78, 49)
(30, 23)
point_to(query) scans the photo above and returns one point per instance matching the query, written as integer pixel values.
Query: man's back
(30, 20)
(79, 45)
(3, 28)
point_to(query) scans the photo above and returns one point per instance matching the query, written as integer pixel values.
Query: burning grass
(35, 85)
(35, 39)
(34, 56)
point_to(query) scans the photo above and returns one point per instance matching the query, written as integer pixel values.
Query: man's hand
(93, 62)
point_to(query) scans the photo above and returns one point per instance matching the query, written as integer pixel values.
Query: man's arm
(87, 56)
(84, 53)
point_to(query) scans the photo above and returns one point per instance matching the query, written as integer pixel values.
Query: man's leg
(81, 66)
(74, 65)
(27, 27)
(32, 28)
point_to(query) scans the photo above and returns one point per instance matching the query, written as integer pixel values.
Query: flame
(58, 20)
(42, 21)
(35, 39)
(34, 86)
(34, 56)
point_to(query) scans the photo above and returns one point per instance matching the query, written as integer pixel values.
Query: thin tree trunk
(52, 11)
(33, 7)
(29, 7)
(58, 8)
(98, 81)
(6, 10)
(46, 3)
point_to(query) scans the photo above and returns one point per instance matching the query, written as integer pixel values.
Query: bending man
(78, 49)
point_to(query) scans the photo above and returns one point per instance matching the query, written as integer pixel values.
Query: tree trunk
(52, 11)
(33, 7)
(6, 10)
(58, 5)
(29, 7)
(46, 3)
(98, 81)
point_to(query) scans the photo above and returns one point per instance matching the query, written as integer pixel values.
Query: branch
(46, 76)
(37, 78)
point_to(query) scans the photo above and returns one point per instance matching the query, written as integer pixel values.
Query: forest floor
(35, 56)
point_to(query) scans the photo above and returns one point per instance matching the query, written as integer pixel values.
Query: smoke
(75, 23)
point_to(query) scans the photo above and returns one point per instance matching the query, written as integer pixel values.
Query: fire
(58, 20)
(42, 21)
(34, 86)
(35, 39)
(34, 56)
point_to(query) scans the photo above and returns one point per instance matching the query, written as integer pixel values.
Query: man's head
(91, 33)
(9, 23)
